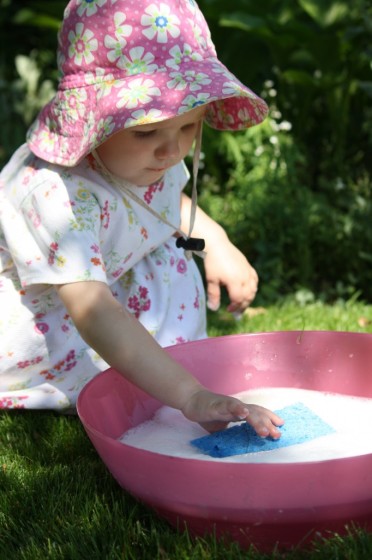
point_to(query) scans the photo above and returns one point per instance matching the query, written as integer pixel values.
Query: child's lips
(157, 169)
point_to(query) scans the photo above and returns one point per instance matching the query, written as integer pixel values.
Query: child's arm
(121, 340)
(224, 264)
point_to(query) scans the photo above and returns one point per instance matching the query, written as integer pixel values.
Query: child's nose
(169, 149)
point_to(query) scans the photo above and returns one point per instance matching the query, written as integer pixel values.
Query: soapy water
(169, 432)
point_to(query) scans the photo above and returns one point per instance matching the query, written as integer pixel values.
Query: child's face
(141, 154)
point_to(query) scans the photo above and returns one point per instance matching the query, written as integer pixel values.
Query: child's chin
(150, 178)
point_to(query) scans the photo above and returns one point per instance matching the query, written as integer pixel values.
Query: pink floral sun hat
(130, 62)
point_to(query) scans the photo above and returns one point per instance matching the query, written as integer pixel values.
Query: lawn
(58, 501)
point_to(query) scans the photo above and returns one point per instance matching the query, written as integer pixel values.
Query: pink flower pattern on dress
(181, 266)
(144, 269)
(63, 366)
(12, 402)
(105, 215)
(139, 302)
(151, 190)
(41, 328)
(53, 248)
(28, 363)
(180, 340)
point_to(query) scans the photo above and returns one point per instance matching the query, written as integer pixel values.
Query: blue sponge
(301, 425)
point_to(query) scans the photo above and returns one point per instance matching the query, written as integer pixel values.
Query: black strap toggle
(190, 244)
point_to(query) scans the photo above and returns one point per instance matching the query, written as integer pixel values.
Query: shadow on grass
(57, 499)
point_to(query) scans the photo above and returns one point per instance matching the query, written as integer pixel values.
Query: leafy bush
(28, 73)
(295, 193)
(297, 237)
(317, 53)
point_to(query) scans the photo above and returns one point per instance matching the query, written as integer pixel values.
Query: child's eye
(188, 127)
(143, 133)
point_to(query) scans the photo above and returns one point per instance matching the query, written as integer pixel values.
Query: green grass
(58, 501)
(291, 315)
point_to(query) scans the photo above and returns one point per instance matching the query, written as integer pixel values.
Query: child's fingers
(214, 295)
(215, 412)
(265, 428)
(241, 296)
(264, 422)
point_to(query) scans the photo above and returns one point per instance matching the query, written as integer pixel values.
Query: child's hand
(225, 265)
(213, 412)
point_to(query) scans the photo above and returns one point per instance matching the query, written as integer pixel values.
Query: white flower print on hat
(129, 62)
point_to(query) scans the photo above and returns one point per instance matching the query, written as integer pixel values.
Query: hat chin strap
(189, 244)
(193, 244)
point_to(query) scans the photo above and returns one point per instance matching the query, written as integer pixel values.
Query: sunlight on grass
(356, 317)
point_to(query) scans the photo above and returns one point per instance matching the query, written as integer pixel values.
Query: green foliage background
(294, 193)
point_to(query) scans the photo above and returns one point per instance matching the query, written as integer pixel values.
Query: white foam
(170, 433)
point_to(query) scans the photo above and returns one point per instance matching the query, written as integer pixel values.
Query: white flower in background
(138, 92)
(159, 21)
(276, 114)
(285, 125)
(137, 62)
(82, 44)
(143, 117)
(259, 151)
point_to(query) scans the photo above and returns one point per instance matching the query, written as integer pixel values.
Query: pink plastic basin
(264, 504)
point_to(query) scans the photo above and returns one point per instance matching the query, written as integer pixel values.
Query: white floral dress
(61, 225)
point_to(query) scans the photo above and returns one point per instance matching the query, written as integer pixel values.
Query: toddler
(95, 231)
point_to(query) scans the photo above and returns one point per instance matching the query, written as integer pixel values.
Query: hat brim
(81, 117)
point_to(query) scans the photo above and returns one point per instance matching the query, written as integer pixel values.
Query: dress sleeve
(53, 233)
